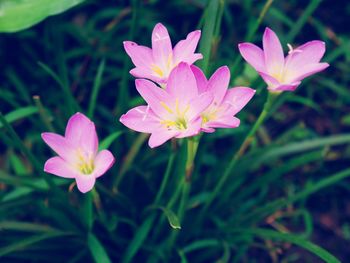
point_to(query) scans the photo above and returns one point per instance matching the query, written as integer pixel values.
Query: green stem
(87, 210)
(129, 159)
(43, 114)
(248, 139)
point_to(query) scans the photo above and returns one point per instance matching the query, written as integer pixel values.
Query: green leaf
(294, 239)
(109, 140)
(16, 15)
(20, 114)
(97, 250)
(170, 215)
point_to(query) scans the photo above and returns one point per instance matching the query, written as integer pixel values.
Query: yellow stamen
(157, 70)
(166, 107)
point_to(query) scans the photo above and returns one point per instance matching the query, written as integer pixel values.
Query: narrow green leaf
(16, 15)
(97, 250)
(105, 143)
(294, 239)
(96, 88)
(173, 220)
(20, 114)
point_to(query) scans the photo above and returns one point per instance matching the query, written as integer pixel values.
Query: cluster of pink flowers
(180, 100)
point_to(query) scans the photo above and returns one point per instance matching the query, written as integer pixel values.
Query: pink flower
(226, 102)
(282, 73)
(78, 155)
(157, 63)
(171, 113)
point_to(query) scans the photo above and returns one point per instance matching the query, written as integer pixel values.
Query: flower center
(164, 69)
(177, 118)
(85, 162)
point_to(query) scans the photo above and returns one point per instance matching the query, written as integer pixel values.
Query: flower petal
(153, 95)
(286, 87)
(237, 98)
(199, 104)
(184, 49)
(226, 121)
(85, 182)
(218, 84)
(60, 145)
(161, 44)
(141, 119)
(81, 132)
(141, 57)
(103, 162)
(253, 55)
(201, 80)
(274, 58)
(57, 166)
(307, 70)
(310, 52)
(182, 83)
(161, 136)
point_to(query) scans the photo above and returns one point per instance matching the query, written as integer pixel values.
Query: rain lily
(282, 73)
(173, 112)
(78, 155)
(226, 102)
(157, 63)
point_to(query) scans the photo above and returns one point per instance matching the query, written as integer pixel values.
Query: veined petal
(184, 50)
(81, 133)
(237, 98)
(309, 53)
(60, 145)
(141, 56)
(199, 105)
(274, 57)
(160, 136)
(182, 83)
(286, 87)
(161, 44)
(305, 71)
(142, 73)
(201, 80)
(225, 121)
(141, 119)
(154, 96)
(270, 81)
(218, 84)
(103, 161)
(57, 166)
(85, 182)
(253, 55)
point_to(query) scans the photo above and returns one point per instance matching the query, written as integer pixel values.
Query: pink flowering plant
(220, 143)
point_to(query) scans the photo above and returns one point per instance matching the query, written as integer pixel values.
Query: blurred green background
(75, 61)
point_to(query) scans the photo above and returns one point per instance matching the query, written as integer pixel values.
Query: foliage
(269, 209)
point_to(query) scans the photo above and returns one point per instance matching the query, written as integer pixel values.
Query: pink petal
(253, 55)
(103, 162)
(226, 121)
(161, 136)
(141, 73)
(161, 43)
(199, 104)
(237, 98)
(184, 50)
(274, 57)
(141, 56)
(286, 87)
(218, 84)
(85, 182)
(194, 128)
(60, 145)
(58, 166)
(310, 52)
(141, 119)
(81, 132)
(153, 95)
(182, 83)
(307, 70)
(200, 79)
(270, 81)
